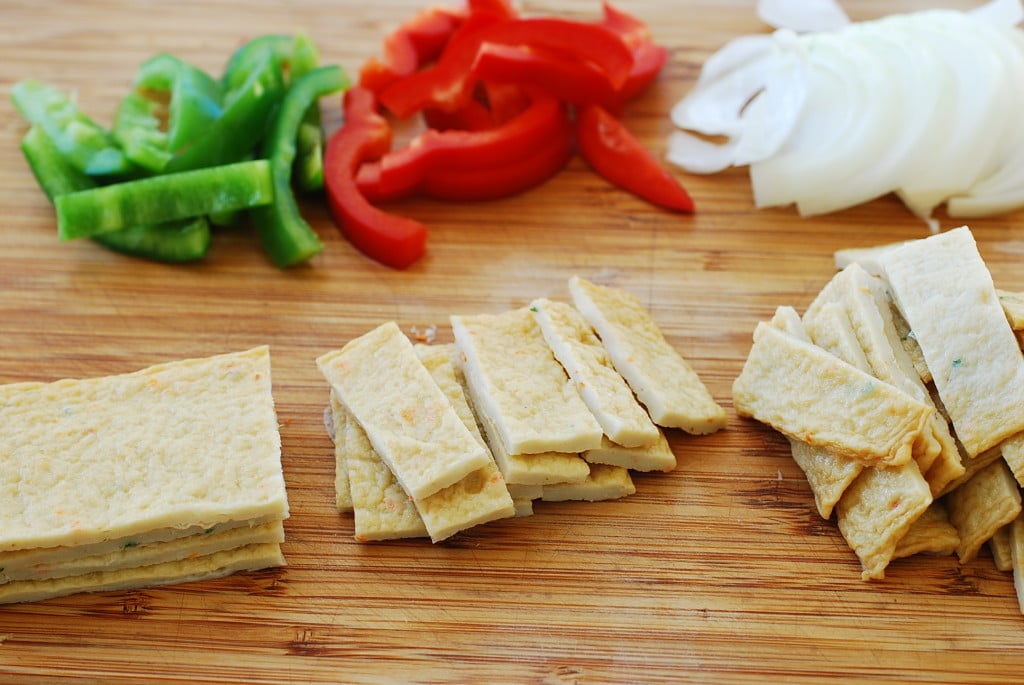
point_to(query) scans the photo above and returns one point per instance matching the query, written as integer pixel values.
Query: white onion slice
(802, 15)
(926, 105)
(1000, 12)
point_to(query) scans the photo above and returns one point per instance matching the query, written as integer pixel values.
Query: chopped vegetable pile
(187, 150)
(829, 113)
(503, 98)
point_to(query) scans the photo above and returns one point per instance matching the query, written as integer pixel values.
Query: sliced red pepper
(501, 181)
(407, 171)
(410, 46)
(550, 71)
(445, 85)
(620, 158)
(648, 57)
(393, 240)
(593, 43)
(502, 9)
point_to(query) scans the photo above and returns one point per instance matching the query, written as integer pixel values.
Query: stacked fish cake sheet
(165, 475)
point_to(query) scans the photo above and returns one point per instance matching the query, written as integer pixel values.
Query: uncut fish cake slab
(585, 359)
(131, 556)
(946, 294)
(410, 422)
(810, 395)
(662, 380)
(519, 386)
(217, 565)
(166, 451)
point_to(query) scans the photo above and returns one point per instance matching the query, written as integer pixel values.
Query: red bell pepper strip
(406, 171)
(392, 240)
(648, 57)
(551, 71)
(410, 46)
(501, 181)
(593, 43)
(620, 158)
(445, 85)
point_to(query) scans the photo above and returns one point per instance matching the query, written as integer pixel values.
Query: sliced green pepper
(180, 241)
(286, 236)
(309, 161)
(172, 105)
(168, 197)
(246, 117)
(84, 143)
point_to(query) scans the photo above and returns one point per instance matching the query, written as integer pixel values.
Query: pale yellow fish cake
(788, 320)
(480, 497)
(519, 387)
(909, 342)
(531, 469)
(1013, 306)
(827, 326)
(381, 509)
(946, 294)
(868, 310)
(1012, 450)
(931, 533)
(524, 507)
(971, 467)
(337, 429)
(521, 491)
(131, 556)
(409, 421)
(585, 359)
(1017, 557)
(983, 505)
(877, 511)
(605, 482)
(1001, 547)
(217, 565)
(867, 257)
(656, 457)
(827, 475)
(810, 395)
(439, 361)
(178, 446)
(662, 380)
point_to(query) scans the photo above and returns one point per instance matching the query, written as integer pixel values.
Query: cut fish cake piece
(981, 506)
(808, 394)
(337, 429)
(946, 294)
(661, 379)
(519, 387)
(878, 510)
(604, 482)
(408, 420)
(656, 457)
(584, 358)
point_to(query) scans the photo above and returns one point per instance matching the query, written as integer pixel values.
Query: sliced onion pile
(829, 113)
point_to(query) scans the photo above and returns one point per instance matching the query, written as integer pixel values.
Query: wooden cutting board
(720, 571)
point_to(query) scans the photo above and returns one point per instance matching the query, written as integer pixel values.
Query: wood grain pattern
(718, 572)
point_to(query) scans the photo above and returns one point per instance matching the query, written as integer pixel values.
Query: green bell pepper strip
(173, 242)
(244, 122)
(173, 104)
(89, 147)
(286, 236)
(163, 198)
(180, 241)
(193, 97)
(309, 162)
(297, 56)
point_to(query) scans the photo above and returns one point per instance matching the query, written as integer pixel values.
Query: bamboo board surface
(718, 572)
